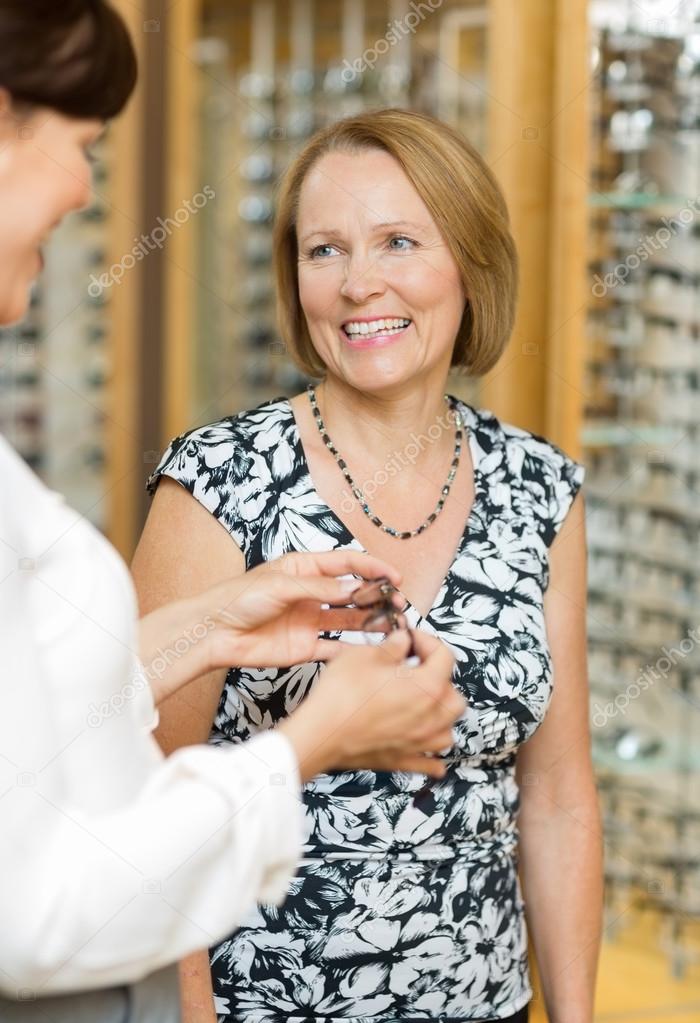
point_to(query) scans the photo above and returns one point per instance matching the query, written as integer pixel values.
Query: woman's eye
(402, 238)
(399, 243)
(320, 250)
(91, 157)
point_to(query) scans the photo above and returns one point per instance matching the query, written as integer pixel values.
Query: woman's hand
(272, 616)
(268, 617)
(370, 710)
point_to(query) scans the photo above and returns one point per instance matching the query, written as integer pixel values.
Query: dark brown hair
(75, 56)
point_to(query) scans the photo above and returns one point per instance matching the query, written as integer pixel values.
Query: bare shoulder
(183, 549)
(567, 555)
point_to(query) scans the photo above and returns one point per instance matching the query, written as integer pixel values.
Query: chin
(13, 308)
(14, 303)
(377, 374)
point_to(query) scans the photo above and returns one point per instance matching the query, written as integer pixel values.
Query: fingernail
(350, 585)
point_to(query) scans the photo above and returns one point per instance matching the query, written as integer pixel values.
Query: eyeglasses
(381, 598)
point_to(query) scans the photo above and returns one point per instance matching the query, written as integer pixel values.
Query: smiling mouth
(367, 331)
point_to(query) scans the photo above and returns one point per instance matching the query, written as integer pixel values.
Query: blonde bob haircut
(465, 202)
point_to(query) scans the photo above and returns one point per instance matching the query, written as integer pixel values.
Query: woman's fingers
(425, 644)
(448, 706)
(440, 703)
(437, 660)
(266, 590)
(395, 647)
(387, 713)
(328, 649)
(324, 590)
(436, 742)
(392, 651)
(350, 619)
(342, 562)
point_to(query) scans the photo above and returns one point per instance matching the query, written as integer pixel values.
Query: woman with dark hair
(113, 861)
(75, 57)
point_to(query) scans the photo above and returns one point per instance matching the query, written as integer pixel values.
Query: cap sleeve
(180, 461)
(545, 478)
(562, 479)
(207, 462)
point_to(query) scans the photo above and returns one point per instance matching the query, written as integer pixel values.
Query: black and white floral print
(407, 904)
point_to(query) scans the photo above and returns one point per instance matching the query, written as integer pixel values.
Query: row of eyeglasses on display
(642, 439)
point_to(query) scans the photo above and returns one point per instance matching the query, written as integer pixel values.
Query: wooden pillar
(569, 293)
(154, 176)
(143, 195)
(537, 129)
(125, 454)
(182, 184)
(520, 77)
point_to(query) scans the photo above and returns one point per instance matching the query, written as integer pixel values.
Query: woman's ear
(16, 118)
(9, 123)
(11, 117)
(5, 104)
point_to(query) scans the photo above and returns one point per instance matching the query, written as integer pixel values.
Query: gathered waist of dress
(482, 848)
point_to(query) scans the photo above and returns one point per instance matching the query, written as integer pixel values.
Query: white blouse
(114, 861)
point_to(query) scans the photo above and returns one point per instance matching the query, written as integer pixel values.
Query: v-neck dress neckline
(389, 869)
(348, 538)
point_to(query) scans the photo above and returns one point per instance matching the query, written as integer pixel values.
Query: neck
(411, 426)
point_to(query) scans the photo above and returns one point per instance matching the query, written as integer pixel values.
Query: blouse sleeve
(110, 898)
(547, 478)
(563, 478)
(114, 861)
(209, 463)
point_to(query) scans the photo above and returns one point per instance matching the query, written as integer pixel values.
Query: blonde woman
(394, 263)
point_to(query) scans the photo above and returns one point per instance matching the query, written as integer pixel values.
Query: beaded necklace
(374, 519)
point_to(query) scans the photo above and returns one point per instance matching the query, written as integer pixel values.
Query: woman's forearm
(196, 989)
(561, 870)
(174, 645)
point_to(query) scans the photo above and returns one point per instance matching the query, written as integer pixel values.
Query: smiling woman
(460, 228)
(395, 263)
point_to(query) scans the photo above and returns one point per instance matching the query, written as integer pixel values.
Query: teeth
(374, 325)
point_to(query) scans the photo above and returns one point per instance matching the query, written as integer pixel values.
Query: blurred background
(155, 314)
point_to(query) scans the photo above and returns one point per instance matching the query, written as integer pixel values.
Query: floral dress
(407, 904)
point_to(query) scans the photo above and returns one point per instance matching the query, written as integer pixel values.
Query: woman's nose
(362, 281)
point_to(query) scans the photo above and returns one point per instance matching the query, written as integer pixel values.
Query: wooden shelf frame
(538, 131)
